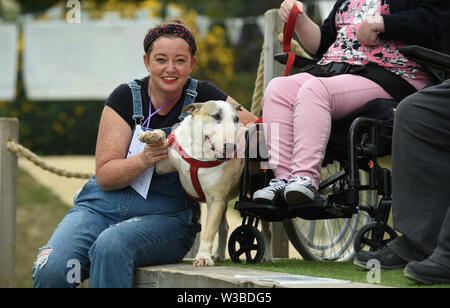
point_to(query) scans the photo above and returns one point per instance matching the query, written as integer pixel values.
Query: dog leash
(288, 33)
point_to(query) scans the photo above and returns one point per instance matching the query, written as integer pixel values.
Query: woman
(359, 36)
(112, 229)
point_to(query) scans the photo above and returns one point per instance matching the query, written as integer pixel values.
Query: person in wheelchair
(421, 189)
(358, 47)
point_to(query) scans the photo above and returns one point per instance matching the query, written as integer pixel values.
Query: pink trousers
(299, 109)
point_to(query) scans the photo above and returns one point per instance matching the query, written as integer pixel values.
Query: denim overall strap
(137, 102)
(191, 94)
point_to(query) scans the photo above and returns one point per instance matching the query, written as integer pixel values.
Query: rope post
(9, 130)
(272, 46)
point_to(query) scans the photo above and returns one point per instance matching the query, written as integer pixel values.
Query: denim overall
(107, 234)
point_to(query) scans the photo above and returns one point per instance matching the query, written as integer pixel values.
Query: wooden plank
(9, 130)
(272, 27)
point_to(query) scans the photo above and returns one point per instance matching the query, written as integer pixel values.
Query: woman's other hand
(368, 32)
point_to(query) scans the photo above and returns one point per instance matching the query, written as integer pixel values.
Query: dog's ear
(192, 107)
(236, 106)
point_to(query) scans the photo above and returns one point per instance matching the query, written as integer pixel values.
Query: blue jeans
(106, 235)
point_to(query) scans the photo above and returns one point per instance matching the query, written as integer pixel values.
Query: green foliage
(55, 128)
(38, 213)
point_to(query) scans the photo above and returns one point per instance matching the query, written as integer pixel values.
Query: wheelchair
(355, 200)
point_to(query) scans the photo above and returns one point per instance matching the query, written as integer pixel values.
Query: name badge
(142, 183)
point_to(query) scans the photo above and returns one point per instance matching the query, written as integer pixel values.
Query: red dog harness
(195, 165)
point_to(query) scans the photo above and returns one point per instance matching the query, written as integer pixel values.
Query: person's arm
(245, 116)
(113, 170)
(422, 25)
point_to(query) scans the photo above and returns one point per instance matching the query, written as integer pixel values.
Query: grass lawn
(39, 211)
(337, 270)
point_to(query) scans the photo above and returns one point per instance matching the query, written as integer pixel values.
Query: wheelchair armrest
(427, 56)
(437, 63)
(298, 62)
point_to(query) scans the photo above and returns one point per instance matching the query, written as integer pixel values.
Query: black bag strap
(394, 84)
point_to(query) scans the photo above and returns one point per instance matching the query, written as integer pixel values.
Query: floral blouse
(347, 49)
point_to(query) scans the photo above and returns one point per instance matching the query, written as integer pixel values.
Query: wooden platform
(186, 276)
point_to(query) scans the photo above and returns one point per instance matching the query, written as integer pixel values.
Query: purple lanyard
(150, 109)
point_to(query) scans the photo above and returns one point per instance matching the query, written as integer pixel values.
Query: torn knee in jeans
(42, 257)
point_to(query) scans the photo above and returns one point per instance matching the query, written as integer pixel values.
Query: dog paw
(152, 137)
(218, 258)
(268, 259)
(203, 262)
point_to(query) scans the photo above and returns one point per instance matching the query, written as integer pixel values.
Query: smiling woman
(161, 228)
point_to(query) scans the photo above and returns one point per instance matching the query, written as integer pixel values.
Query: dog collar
(195, 165)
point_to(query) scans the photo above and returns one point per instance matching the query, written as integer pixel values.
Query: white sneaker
(269, 193)
(300, 190)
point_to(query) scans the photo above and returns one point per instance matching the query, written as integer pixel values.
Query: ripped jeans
(106, 235)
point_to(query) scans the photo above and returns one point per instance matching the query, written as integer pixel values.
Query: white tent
(8, 61)
(65, 61)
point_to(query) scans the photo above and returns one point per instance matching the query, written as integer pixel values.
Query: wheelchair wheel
(246, 241)
(373, 236)
(329, 239)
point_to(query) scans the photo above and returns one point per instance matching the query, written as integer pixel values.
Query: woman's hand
(153, 153)
(369, 30)
(286, 7)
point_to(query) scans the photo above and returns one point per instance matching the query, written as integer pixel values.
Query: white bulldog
(207, 150)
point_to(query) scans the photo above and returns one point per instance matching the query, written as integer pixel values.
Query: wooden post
(272, 27)
(9, 130)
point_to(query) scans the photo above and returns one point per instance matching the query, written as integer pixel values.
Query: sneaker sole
(298, 195)
(409, 273)
(363, 265)
(263, 197)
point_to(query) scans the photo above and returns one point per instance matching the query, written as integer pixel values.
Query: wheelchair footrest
(267, 212)
(319, 209)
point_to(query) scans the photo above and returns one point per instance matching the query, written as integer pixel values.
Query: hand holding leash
(286, 8)
(288, 31)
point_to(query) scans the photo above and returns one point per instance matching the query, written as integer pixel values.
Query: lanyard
(150, 115)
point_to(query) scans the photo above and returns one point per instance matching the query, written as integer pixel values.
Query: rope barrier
(21, 151)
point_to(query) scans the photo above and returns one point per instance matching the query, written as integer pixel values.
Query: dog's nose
(229, 149)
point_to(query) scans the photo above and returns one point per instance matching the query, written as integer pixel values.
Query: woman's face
(170, 62)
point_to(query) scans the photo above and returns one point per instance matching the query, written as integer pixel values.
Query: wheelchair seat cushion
(378, 109)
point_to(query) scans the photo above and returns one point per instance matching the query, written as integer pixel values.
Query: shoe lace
(277, 184)
(306, 180)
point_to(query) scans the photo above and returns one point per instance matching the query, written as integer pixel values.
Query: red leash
(288, 33)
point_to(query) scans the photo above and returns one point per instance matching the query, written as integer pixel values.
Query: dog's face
(217, 124)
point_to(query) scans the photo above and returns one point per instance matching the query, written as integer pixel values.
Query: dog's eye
(217, 116)
(236, 119)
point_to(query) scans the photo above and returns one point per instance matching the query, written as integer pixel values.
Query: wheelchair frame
(343, 203)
